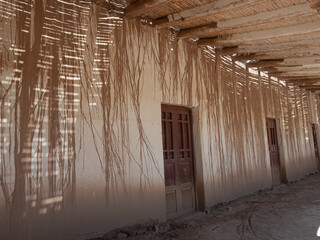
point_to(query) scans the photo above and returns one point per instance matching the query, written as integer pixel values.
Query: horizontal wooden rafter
(270, 48)
(302, 60)
(302, 82)
(141, 6)
(242, 38)
(298, 68)
(193, 14)
(272, 70)
(269, 63)
(283, 55)
(198, 31)
(310, 86)
(299, 78)
(291, 75)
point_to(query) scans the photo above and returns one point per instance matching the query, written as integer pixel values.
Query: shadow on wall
(55, 77)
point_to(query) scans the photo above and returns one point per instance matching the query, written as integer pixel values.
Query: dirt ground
(285, 212)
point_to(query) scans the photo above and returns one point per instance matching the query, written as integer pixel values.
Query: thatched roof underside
(281, 37)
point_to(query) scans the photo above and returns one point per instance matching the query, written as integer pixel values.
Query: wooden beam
(208, 41)
(269, 70)
(310, 86)
(245, 24)
(228, 51)
(307, 67)
(299, 78)
(297, 75)
(276, 65)
(303, 81)
(252, 56)
(195, 32)
(141, 6)
(280, 55)
(243, 38)
(302, 60)
(293, 70)
(268, 63)
(196, 13)
(268, 48)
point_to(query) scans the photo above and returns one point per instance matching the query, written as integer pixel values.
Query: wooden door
(178, 160)
(274, 151)
(315, 141)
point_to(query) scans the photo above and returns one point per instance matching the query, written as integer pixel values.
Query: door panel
(274, 151)
(178, 160)
(171, 201)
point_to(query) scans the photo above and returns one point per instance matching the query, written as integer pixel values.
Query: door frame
(318, 138)
(199, 198)
(283, 173)
(283, 170)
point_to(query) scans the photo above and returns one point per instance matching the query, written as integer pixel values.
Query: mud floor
(285, 212)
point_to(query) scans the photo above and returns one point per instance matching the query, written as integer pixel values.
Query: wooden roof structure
(281, 37)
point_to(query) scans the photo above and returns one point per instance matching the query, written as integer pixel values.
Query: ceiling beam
(268, 63)
(267, 48)
(299, 78)
(198, 31)
(302, 82)
(196, 13)
(275, 66)
(141, 6)
(229, 50)
(245, 24)
(302, 60)
(243, 38)
(297, 75)
(311, 72)
(294, 71)
(310, 86)
(310, 67)
(275, 56)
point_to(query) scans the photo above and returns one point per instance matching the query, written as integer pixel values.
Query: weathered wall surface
(80, 97)
(233, 105)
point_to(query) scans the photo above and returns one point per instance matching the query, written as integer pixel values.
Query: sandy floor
(286, 212)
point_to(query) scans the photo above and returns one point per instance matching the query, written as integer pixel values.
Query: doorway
(178, 160)
(274, 151)
(315, 142)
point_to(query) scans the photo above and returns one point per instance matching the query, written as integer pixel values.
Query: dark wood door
(315, 141)
(178, 160)
(274, 151)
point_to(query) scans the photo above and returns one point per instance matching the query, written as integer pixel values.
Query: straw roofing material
(240, 24)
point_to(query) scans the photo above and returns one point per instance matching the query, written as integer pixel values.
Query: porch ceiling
(281, 37)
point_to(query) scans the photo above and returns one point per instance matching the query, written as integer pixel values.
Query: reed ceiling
(281, 37)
